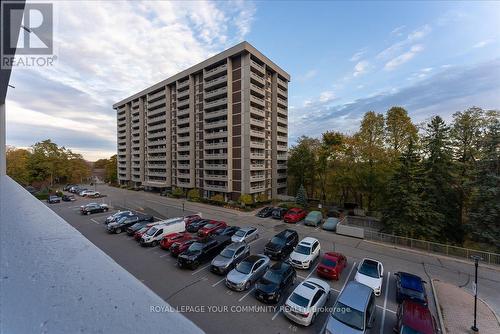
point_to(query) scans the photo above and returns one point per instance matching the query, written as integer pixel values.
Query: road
(203, 297)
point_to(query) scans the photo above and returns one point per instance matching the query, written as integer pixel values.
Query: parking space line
(385, 301)
(254, 241)
(202, 268)
(163, 255)
(387, 309)
(276, 314)
(217, 283)
(95, 221)
(300, 276)
(246, 294)
(312, 271)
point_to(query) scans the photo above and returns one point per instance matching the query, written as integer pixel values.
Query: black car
(282, 244)
(68, 198)
(136, 227)
(53, 199)
(229, 231)
(124, 222)
(278, 213)
(117, 215)
(93, 208)
(202, 250)
(275, 282)
(411, 287)
(196, 225)
(265, 212)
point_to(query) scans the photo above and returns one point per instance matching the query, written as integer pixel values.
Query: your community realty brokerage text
(231, 309)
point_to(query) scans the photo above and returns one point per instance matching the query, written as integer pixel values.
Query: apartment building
(219, 126)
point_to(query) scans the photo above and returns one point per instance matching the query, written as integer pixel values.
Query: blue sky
(345, 58)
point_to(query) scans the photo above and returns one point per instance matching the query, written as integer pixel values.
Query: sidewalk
(457, 307)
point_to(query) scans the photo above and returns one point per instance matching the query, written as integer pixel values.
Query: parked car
(169, 239)
(153, 236)
(354, 311)
(202, 251)
(282, 244)
(210, 228)
(275, 282)
(294, 215)
(245, 234)
(331, 265)
(139, 233)
(194, 226)
(330, 224)
(191, 218)
(68, 187)
(53, 199)
(117, 215)
(279, 213)
(139, 225)
(251, 269)
(179, 247)
(314, 218)
(229, 257)
(305, 302)
(125, 222)
(92, 194)
(305, 253)
(83, 192)
(371, 273)
(229, 231)
(413, 317)
(265, 212)
(411, 287)
(93, 208)
(74, 189)
(68, 198)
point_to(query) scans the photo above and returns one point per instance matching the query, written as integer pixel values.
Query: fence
(432, 247)
(364, 222)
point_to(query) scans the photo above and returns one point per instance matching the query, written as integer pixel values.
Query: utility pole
(476, 264)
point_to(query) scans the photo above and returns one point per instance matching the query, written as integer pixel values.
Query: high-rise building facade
(220, 126)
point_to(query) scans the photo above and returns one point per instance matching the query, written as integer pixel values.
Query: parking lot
(203, 297)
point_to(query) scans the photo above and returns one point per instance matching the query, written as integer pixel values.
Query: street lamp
(474, 286)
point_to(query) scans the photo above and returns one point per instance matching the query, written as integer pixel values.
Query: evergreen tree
(484, 217)
(438, 178)
(301, 198)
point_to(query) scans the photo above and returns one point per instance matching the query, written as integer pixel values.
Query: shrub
(177, 192)
(261, 198)
(194, 195)
(217, 198)
(289, 205)
(245, 199)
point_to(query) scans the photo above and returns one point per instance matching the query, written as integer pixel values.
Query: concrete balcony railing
(258, 112)
(257, 166)
(257, 155)
(213, 82)
(257, 100)
(216, 92)
(282, 120)
(282, 83)
(257, 122)
(216, 103)
(60, 279)
(183, 148)
(258, 134)
(282, 129)
(183, 139)
(157, 126)
(282, 138)
(183, 120)
(282, 148)
(282, 102)
(257, 78)
(214, 187)
(214, 71)
(282, 111)
(257, 178)
(257, 89)
(257, 144)
(182, 84)
(183, 94)
(182, 103)
(257, 66)
(157, 135)
(213, 135)
(215, 177)
(216, 124)
(281, 184)
(213, 114)
(183, 130)
(152, 105)
(157, 142)
(215, 155)
(182, 112)
(158, 112)
(215, 166)
(156, 95)
(156, 157)
(215, 145)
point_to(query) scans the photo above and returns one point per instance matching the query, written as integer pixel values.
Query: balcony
(152, 105)
(214, 82)
(154, 96)
(282, 148)
(255, 166)
(159, 112)
(213, 114)
(151, 173)
(282, 102)
(257, 155)
(282, 83)
(283, 93)
(215, 177)
(216, 103)
(257, 100)
(257, 66)
(214, 187)
(182, 94)
(183, 139)
(282, 128)
(258, 122)
(215, 166)
(213, 135)
(157, 134)
(184, 184)
(216, 92)
(183, 112)
(216, 124)
(215, 145)
(214, 71)
(182, 121)
(257, 144)
(258, 134)
(257, 89)
(160, 126)
(261, 177)
(215, 155)
(157, 142)
(257, 78)
(257, 187)
(182, 84)
(183, 148)
(183, 130)
(258, 112)
(182, 103)
(156, 157)
(281, 184)
(282, 138)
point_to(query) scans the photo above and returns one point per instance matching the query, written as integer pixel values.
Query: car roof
(410, 281)
(418, 317)
(333, 255)
(308, 241)
(294, 209)
(286, 232)
(253, 258)
(308, 288)
(235, 245)
(371, 262)
(280, 267)
(249, 228)
(315, 213)
(355, 295)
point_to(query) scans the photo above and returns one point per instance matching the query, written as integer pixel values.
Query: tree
(327, 153)
(177, 192)
(484, 222)
(194, 194)
(17, 165)
(245, 199)
(217, 198)
(111, 170)
(439, 179)
(301, 198)
(399, 130)
(302, 164)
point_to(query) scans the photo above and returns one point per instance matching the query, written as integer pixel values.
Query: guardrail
(432, 247)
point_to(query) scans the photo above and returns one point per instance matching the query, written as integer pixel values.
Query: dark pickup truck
(202, 251)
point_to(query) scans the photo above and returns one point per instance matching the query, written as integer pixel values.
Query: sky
(344, 58)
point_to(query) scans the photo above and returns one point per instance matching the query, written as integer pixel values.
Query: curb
(438, 308)
(485, 303)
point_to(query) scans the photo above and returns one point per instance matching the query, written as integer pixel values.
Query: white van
(154, 235)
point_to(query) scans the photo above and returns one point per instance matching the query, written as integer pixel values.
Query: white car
(306, 301)
(91, 193)
(306, 251)
(370, 273)
(155, 233)
(245, 234)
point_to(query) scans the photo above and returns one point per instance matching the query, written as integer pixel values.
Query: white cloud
(397, 47)
(326, 96)
(127, 47)
(483, 43)
(361, 68)
(404, 57)
(308, 75)
(398, 30)
(357, 56)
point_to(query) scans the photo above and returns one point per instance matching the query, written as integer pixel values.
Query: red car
(413, 317)
(138, 234)
(181, 246)
(169, 239)
(294, 215)
(189, 219)
(210, 228)
(331, 265)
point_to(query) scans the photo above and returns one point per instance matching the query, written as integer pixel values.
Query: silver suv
(229, 257)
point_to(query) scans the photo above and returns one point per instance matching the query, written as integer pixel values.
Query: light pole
(476, 264)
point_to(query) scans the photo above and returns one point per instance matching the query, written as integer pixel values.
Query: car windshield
(228, 253)
(299, 300)
(121, 220)
(244, 267)
(240, 233)
(151, 231)
(301, 249)
(208, 226)
(348, 316)
(136, 226)
(196, 247)
(278, 241)
(329, 262)
(408, 330)
(369, 268)
(272, 276)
